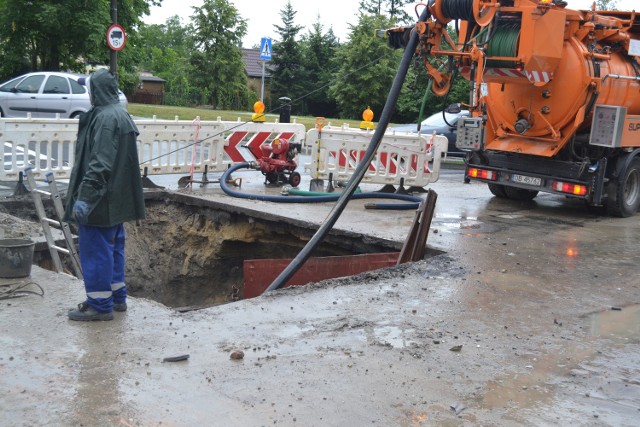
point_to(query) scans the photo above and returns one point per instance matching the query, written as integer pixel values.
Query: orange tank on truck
(554, 95)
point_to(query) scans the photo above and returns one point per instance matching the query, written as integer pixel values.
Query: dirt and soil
(190, 254)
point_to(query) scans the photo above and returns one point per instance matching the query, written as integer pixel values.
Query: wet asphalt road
(529, 316)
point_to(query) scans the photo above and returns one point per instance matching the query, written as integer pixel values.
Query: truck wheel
(497, 190)
(520, 193)
(626, 192)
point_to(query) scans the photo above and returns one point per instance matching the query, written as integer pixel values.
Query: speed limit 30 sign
(116, 37)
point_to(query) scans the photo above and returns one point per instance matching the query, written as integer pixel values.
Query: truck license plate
(529, 180)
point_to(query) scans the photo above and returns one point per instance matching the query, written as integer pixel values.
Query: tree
(57, 35)
(42, 39)
(216, 63)
(170, 35)
(390, 8)
(288, 76)
(319, 50)
(606, 4)
(367, 69)
(165, 51)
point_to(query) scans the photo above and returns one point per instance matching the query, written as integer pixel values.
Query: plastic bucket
(16, 257)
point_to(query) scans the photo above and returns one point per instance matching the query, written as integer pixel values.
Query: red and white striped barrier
(164, 146)
(414, 159)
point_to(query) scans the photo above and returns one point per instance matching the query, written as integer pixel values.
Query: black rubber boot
(86, 312)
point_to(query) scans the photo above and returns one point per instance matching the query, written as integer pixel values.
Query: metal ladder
(70, 250)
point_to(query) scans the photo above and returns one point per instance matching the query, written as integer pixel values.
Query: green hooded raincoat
(106, 171)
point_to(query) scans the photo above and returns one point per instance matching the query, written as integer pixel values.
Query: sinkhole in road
(189, 252)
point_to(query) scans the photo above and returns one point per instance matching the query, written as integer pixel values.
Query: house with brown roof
(150, 90)
(253, 67)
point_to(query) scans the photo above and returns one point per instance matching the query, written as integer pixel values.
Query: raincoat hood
(103, 88)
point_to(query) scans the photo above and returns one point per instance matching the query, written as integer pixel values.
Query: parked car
(21, 160)
(45, 94)
(438, 124)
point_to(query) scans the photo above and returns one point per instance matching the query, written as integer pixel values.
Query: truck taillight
(482, 174)
(569, 188)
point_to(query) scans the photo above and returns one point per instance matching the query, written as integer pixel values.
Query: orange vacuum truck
(554, 98)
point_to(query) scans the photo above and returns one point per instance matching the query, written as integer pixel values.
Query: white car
(46, 94)
(442, 124)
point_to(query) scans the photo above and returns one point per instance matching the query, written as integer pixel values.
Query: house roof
(148, 77)
(253, 63)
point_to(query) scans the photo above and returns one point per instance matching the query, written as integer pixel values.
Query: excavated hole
(187, 254)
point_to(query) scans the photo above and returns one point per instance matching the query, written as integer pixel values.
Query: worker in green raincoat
(105, 190)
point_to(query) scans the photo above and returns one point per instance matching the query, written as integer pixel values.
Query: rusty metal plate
(259, 273)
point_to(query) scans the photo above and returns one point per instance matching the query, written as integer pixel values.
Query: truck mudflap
(566, 178)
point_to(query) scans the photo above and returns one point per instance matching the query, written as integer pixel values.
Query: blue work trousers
(102, 260)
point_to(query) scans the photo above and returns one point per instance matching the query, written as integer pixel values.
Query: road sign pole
(262, 88)
(113, 64)
(265, 55)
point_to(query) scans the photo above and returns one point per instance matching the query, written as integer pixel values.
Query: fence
(169, 147)
(156, 98)
(164, 146)
(401, 158)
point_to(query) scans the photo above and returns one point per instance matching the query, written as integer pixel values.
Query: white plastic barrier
(401, 156)
(46, 145)
(167, 147)
(164, 146)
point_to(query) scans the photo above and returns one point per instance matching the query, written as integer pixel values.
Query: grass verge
(167, 112)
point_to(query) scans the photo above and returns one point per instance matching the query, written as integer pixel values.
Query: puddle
(537, 383)
(621, 324)
(471, 227)
(392, 336)
(456, 217)
(510, 216)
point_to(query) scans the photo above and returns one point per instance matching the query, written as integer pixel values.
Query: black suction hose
(317, 199)
(353, 183)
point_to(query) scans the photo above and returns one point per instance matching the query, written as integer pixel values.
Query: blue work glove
(81, 212)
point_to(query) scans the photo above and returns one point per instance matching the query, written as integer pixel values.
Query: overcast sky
(262, 15)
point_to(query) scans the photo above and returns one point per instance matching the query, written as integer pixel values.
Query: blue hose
(318, 199)
(361, 169)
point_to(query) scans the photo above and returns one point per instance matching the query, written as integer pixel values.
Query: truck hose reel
(481, 12)
(504, 42)
(458, 9)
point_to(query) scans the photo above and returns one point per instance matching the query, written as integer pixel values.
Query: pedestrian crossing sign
(265, 48)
